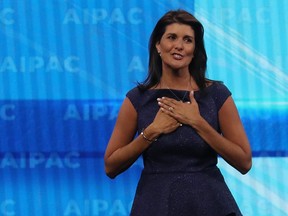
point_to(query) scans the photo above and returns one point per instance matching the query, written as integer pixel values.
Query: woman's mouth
(177, 56)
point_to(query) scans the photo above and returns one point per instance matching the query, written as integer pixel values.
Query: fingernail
(158, 99)
(159, 103)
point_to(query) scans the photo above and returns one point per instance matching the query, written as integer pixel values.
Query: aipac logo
(244, 15)
(97, 207)
(94, 16)
(39, 63)
(87, 112)
(32, 160)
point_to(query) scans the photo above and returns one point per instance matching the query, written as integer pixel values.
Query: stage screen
(65, 68)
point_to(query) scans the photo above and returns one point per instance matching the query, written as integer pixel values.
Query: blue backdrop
(65, 67)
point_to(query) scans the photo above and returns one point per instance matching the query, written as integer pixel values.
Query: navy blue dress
(180, 176)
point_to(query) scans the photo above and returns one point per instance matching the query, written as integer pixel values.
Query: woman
(183, 122)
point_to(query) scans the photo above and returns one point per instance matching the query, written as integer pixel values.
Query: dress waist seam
(180, 172)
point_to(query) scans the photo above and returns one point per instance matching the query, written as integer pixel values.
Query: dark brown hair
(197, 67)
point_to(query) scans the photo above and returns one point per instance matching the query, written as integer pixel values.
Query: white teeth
(177, 56)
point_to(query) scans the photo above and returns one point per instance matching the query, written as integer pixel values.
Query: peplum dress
(180, 175)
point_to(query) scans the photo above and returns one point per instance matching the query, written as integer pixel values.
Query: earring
(159, 52)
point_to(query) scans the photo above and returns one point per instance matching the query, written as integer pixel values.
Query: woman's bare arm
(232, 145)
(123, 150)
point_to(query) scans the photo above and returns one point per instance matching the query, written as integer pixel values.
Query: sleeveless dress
(180, 175)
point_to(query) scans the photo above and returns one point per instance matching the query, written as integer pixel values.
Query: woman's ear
(158, 48)
(157, 45)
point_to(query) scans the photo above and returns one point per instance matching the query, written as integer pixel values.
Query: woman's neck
(178, 80)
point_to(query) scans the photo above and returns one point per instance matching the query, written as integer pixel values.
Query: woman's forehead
(177, 28)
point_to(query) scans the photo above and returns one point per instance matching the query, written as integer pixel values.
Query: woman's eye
(171, 37)
(188, 40)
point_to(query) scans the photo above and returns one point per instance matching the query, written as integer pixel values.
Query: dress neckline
(179, 90)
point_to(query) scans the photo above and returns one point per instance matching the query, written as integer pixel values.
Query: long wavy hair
(198, 65)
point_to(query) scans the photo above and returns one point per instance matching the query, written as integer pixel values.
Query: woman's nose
(179, 45)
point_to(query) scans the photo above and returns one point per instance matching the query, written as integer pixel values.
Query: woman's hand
(185, 113)
(233, 144)
(165, 123)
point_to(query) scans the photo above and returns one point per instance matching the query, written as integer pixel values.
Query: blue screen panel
(65, 67)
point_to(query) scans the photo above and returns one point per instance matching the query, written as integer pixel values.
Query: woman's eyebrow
(172, 33)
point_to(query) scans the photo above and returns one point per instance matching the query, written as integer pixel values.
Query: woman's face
(176, 46)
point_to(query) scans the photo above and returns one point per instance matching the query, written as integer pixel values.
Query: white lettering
(38, 63)
(68, 160)
(6, 112)
(136, 64)
(243, 15)
(72, 209)
(97, 207)
(70, 64)
(132, 16)
(99, 111)
(113, 112)
(71, 16)
(118, 208)
(8, 161)
(98, 15)
(226, 14)
(54, 64)
(54, 160)
(39, 159)
(89, 112)
(263, 15)
(117, 16)
(6, 16)
(72, 113)
(7, 207)
(35, 63)
(36, 158)
(8, 65)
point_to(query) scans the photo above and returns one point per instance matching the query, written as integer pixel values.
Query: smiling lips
(177, 56)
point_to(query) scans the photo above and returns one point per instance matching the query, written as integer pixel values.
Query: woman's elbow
(246, 166)
(108, 170)
(109, 173)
